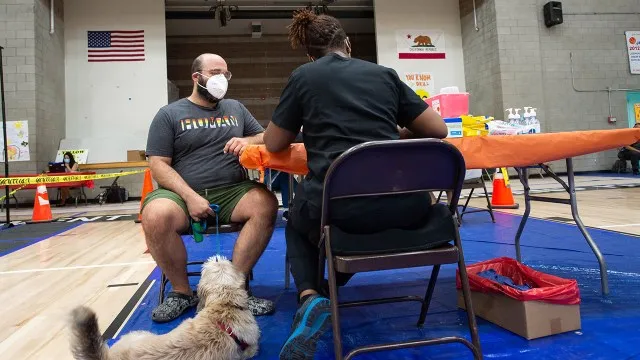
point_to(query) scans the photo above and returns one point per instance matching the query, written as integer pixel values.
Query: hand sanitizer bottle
(534, 116)
(512, 118)
(526, 116)
(518, 117)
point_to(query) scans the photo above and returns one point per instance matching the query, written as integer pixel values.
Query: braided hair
(318, 34)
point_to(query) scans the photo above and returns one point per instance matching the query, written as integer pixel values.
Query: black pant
(356, 216)
(630, 156)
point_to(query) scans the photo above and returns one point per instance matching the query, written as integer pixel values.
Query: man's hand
(199, 207)
(236, 146)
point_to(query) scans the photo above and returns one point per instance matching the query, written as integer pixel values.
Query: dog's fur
(223, 299)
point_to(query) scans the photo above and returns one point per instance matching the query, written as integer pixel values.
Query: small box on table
(136, 155)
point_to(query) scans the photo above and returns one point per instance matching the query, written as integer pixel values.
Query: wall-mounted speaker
(553, 13)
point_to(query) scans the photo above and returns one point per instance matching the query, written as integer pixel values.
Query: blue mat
(610, 325)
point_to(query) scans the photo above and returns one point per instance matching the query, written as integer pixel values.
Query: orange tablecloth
(480, 152)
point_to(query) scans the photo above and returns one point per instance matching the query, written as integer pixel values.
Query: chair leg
(287, 273)
(486, 196)
(335, 312)
(466, 293)
(427, 297)
(466, 204)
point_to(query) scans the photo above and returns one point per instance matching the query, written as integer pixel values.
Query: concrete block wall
(34, 78)
(18, 38)
(49, 82)
(535, 66)
(481, 57)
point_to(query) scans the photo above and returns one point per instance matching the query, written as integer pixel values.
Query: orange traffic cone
(41, 206)
(147, 187)
(502, 197)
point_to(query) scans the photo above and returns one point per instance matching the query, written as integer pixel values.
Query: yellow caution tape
(16, 190)
(61, 179)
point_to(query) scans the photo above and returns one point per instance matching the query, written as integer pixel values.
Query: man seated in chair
(632, 154)
(342, 102)
(194, 146)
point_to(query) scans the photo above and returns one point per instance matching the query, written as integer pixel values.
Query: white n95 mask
(217, 86)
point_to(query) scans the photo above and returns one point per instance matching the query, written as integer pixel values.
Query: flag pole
(4, 131)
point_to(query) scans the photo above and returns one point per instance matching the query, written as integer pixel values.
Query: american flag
(121, 45)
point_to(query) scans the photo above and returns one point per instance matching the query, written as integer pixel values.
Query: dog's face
(221, 282)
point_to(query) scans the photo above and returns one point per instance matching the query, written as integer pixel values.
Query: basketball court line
(619, 225)
(125, 314)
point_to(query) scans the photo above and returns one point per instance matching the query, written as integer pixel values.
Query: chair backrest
(395, 167)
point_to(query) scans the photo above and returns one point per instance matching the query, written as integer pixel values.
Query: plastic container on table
(450, 105)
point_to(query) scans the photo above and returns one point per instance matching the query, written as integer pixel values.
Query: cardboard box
(136, 155)
(529, 319)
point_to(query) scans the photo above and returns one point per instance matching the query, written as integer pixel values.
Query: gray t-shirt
(194, 138)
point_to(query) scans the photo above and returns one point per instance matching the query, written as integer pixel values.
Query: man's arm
(255, 139)
(168, 178)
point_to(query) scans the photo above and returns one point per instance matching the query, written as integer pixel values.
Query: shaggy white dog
(222, 329)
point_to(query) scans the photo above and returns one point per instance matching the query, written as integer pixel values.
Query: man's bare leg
(258, 210)
(163, 221)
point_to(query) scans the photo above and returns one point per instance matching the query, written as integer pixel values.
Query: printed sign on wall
(420, 44)
(17, 141)
(421, 83)
(633, 46)
(79, 155)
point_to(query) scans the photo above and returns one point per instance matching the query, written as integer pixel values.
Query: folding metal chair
(477, 184)
(410, 166)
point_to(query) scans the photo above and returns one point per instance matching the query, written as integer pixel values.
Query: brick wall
(534, 64)
(17, 37)
(34, 78)
(260, 67)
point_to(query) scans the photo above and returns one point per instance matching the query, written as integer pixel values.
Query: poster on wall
(636, 109)
(79, 155)
(633, 46)
(421, 83)
(17, 141)
(420, 44)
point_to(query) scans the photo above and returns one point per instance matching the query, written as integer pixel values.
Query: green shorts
(226, 196)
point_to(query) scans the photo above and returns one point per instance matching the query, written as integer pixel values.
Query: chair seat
(438, 230)
(446, 254)
(225, 228)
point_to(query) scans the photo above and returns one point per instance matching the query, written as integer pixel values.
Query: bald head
(209, 62)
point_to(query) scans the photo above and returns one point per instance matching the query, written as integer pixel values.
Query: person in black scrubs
(339, 102)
